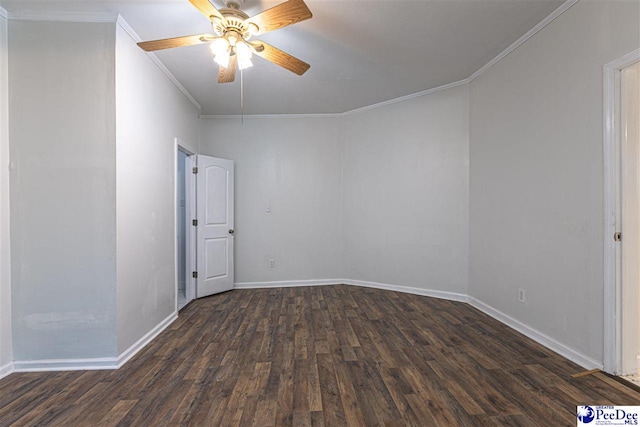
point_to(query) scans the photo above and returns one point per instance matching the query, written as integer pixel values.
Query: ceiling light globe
(220, 47)
(222, 59)
(244, 63)
(243, 51)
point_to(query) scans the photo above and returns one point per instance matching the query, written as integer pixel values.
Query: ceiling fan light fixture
(219, 46)
(244, 55)
(222, 60)
(244, 63)
(220, 49)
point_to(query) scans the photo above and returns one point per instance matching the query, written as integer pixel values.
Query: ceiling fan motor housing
(235, 21)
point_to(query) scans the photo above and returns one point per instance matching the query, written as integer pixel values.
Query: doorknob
(232, 231)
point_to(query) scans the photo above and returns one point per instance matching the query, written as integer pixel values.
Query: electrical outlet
(272, 263)
(522, 296)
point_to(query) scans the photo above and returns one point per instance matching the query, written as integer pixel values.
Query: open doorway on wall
(204, 198)
(184, 291)
(622, 218)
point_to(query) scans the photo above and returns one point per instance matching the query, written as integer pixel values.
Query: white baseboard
(571, 354)
(6, 370)
(65, 364)
(452, 296)
(287, 283)
(322, 282)
(116, 362)
(90, 363)
(146, 339)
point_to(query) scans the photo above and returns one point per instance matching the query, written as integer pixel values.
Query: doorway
(204, 228)
(184, 293)
(622, 217)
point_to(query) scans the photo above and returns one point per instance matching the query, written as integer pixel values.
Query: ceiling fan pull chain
(241, 98)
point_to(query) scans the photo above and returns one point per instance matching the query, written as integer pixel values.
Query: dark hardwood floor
(332, 355)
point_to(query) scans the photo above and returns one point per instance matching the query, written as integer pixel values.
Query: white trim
(65, 364)
(571, 354)
(189, 281)
(453, 296)
(176, 215)
(92, 363)
(610, 349)
(146, 339)
(286, 283)
(30, 15)
(532, 32)
(191, 236)
(272, 116)
(6, 370)
(5, 177)
(407, 97)
(434, 293)
(136, 38)
(338, 115)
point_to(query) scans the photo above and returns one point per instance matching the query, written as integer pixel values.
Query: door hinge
(194, 169)
(194, 274)
(617, 236)
(194, 222)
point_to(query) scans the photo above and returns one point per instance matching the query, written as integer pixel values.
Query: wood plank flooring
(331, 355)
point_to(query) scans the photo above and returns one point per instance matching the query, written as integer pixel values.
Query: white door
(630, 219)
(214, 230)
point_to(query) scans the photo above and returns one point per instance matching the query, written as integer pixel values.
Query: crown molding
(136, 38)
(406, 97)
(108, 17)
(3, 13)
(338, 115)
(532, 32)
(271, 116)
(28, 15)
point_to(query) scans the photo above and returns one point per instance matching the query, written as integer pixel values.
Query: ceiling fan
(232, 45)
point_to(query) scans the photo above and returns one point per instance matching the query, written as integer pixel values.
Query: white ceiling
(361, 52)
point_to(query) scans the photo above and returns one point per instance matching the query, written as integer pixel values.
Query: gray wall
(151, 112)
(5, 249)
(536, 193)
(62, 127)
(293, 166)
(406, 181)
(377, 196)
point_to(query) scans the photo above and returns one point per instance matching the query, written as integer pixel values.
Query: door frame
(612, 351)
(189, 281)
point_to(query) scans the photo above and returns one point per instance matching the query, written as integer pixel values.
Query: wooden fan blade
(227, 75)
(279, 16)
(175, 42)
(207, 9)
(279, 57)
